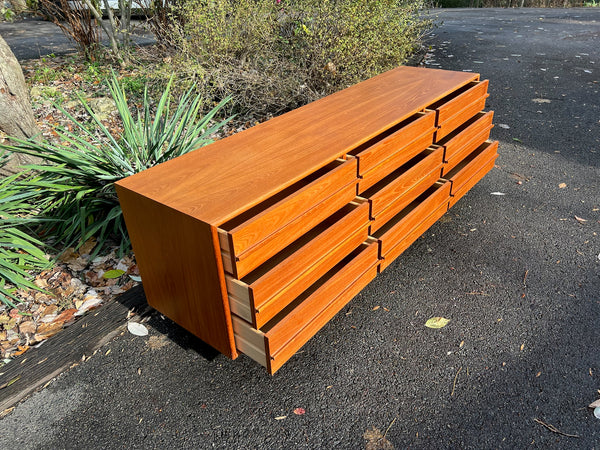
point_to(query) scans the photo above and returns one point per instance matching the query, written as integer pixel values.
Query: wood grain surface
(377, 150)
(182, 273)
(302, 321)
(471, 164)
(401, 225)
(220, 181)
(402, 180)
(473, 180)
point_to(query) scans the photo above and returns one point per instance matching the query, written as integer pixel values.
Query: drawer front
(465, 151)
(452, 123)
(293, 327)
(395, 140)
(253, 226)
(412, 236)
(466, 133)
(473, 181)
(403, 201)
(273, 285)
(281, 238)
(456, 101)
(471, 165)
(400, 226)
(388, 190)
(395, 161)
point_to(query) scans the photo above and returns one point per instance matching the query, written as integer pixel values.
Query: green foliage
(19, 250)
(74, 187)
(341, 42)
(273, 57)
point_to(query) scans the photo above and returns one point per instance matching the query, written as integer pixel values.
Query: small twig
(554, 429)
(455, 378)
(525, 277)
(388, 428)
(478, 293)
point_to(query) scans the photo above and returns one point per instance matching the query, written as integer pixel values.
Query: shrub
(274, 56)
(19, 250)
(74, 187)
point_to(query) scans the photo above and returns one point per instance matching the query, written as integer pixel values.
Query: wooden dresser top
(217, 182)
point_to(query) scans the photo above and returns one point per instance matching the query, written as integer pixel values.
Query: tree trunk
(16, 115)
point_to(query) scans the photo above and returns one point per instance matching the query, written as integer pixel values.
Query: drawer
(277, 341)
(459, 119)
(403, 201)
(261, 232)
(398, 183)
(395, 161)
(473, 180)
(390, 255)
(393, 232)
(463, 172)
(394, 140)
(265, 291)
(455, 102)
(465, 139)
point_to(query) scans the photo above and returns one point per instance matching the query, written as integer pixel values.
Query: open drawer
(390, 254)
(395, 161)
(469, 166)
(457, 107)
(395, 140)
(400, 226)
(393, 190)
(462, 141)
(265, 291)
(259, 233)
(277, 341)
(473, 180)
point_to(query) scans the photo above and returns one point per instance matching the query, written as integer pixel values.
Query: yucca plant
(19, 251)
(74, 186)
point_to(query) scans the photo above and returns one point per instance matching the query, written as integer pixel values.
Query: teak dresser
(254, 242)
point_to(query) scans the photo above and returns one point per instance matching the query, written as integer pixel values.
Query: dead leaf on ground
(580, 220)
(88, 246)
(562, 185)
(28, 327)
(299, 411)
(595, 404)
(376, 308)
(137, 329)
(46, 330)
(66, 316)
(110, 274)
(157, 342)
(437, 322)
(376, 440)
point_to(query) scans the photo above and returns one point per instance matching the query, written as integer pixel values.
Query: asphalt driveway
(517, 273)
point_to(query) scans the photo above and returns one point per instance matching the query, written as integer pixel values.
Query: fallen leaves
(376, 440)
(562, 185)
(299, 411)
(437, 322)
(116, 273)
(75, 285)
(580, 220)
(137, 329)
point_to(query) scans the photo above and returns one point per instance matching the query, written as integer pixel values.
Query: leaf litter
(437, 322)
(72, 287)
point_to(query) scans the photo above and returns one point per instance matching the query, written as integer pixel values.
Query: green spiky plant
(19, 250)
(74, 187)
